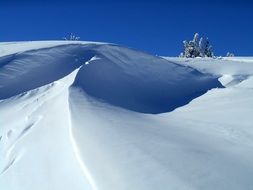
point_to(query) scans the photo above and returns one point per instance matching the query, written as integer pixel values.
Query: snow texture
(95, 116)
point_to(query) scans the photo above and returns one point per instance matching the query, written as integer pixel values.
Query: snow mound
(141, 82)
(119, 76)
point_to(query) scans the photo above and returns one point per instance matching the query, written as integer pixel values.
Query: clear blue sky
(158, 27)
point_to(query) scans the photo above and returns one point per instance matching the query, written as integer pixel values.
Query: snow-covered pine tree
(191, 47)
(186, 52)
(197, 48)
(196, 38)
(201, 47)
(208, 51)
(195, 41)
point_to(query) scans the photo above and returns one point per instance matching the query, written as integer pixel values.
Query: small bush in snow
(230, 54)
(197, 48)
(72, 37)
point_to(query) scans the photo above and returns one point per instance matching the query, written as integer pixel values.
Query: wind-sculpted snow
(25, 71)
(116, 75)
(141, 82)
(73, 125)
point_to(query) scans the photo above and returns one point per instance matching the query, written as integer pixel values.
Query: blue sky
(157, 27)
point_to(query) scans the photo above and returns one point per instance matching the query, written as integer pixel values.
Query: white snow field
(97, 116)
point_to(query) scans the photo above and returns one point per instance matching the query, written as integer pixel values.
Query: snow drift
(116, 75)
(80, 115)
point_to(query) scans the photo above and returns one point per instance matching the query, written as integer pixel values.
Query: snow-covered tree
(194, 48)
(187, 49)
(208, 51)
(197, 48)
(196, 38)
(191, 47)
(201, 47)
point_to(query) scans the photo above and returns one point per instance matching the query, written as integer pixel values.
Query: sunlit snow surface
(84, 115)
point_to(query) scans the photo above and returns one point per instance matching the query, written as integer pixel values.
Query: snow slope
(81, 116)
